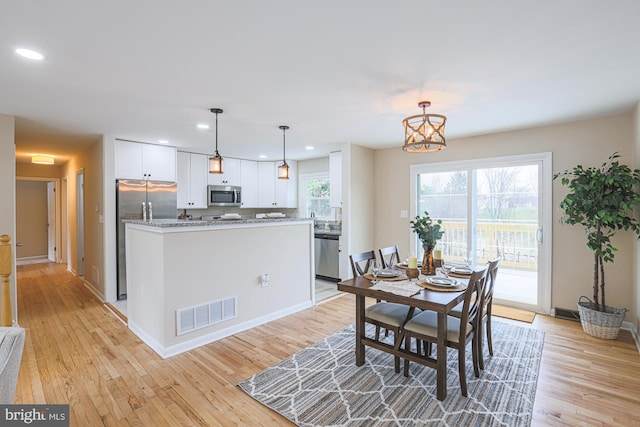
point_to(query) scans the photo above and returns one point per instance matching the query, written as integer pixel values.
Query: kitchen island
(190, 283)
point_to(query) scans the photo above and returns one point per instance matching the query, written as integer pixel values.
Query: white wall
(8, 193)
(635, 313)
(588, 142)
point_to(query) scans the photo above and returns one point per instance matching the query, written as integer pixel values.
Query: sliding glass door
(493, 208)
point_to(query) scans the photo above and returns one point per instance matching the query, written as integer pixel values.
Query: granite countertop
(164, 223)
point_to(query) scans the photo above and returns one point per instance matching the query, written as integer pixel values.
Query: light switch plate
(404, 213)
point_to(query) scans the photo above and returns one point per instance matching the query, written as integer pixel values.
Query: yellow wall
(589, 142)
(89, 161)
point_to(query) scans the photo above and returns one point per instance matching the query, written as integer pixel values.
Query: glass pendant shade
(424, 133)
(283, 169)
(215, 161)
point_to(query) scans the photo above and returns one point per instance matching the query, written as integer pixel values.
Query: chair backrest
(389, 256)
(360, 262)
(472, 306)
(492, 272)
(11, 347)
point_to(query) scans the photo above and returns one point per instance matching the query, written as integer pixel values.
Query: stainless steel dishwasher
(327, 253)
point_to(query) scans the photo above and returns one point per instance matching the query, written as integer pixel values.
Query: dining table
(440, 302)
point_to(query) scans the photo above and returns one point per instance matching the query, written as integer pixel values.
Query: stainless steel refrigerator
(137, 199)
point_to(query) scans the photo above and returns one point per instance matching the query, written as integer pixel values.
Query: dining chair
(487, 304)
(424, 328)
(389, 256)
(388, 315)
(487, 308)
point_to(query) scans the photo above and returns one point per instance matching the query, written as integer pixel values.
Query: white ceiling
(334, 71)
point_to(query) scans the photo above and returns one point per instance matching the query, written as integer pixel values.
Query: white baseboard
(93, 291)
(166, 352)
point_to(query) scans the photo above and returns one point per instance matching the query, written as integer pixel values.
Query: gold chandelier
(424, 133)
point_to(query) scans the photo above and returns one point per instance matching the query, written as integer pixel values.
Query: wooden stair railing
(5, 273)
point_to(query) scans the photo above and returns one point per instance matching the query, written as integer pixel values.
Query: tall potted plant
(602, 201)
(429, 232)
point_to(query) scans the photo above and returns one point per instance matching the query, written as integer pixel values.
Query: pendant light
(283, 169)
(424, 133)
(215, 161)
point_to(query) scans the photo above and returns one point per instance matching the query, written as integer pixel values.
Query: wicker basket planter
(600, 324)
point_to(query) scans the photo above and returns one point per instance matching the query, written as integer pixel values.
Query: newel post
(5, 273)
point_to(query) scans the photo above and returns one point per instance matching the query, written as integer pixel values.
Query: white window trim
(544, 207)
(303, 191)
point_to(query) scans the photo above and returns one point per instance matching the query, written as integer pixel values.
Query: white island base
(189, 285)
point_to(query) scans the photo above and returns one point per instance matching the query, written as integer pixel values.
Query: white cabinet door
(249, 183)
(198, 180)
(192, 180)
(286, 189)
(266, 184)
(274, 192)
(159, 163)
(231, 173)
(184, 182)
(145, 161)
(128, 160)
(335, 179)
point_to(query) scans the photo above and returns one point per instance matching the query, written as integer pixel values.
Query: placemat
(459, 287)
(459, 276)
(386, 279)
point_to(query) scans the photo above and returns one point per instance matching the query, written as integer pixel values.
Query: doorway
(494, 208)
(38, 233)
(80, 268)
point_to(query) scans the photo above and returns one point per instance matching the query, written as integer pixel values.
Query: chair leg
(475, 350)
(397, 340)
(461, 371)
(377, 333)
(479, 335)
(489, 341)
(407, 347)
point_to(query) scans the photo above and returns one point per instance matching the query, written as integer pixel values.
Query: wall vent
(563, 313)
(199, 316)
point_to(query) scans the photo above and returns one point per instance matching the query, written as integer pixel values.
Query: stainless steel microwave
(224, 195)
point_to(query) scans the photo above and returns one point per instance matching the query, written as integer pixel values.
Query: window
(316, 196)
(496, 207)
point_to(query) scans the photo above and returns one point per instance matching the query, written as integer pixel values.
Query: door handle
(539, 235)
(18, 244)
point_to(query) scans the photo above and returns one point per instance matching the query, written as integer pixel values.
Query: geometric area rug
(321, 385)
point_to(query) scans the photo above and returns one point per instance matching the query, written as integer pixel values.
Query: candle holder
(412, 273)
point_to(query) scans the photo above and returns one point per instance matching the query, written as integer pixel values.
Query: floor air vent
(563, 313)
(199, 316)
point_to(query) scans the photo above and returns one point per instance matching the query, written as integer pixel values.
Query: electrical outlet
(264, 280)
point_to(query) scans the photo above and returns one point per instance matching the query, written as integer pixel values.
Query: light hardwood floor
(78, 352)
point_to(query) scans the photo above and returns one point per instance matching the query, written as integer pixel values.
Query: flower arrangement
(428, 231)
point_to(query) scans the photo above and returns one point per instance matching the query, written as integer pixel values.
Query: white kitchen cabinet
(144, 161)
(335, 179)
(192, 180)
(274, 192)
(231, 173)
(249, 183)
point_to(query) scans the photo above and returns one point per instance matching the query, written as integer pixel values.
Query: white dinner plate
(441, 281)
(461, 270)
(389, 273)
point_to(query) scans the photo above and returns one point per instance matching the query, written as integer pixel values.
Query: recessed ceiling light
(163, 141)
(42, 159)
(31, 54)
(308, 147)
(203, 126)
(262, 156)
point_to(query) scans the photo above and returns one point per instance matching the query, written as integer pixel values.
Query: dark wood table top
(425, 299)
